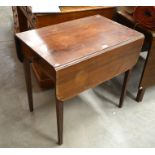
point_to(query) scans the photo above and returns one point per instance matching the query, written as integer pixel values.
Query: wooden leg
(28, 82)
(140, 94)
(124, 88)
(59, 112)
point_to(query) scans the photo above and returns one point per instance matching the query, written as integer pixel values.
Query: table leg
(27, 72)
(140, 94)
(124, 88)
(59, 113)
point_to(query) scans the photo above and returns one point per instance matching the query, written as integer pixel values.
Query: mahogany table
(79, 55)
(148, 74)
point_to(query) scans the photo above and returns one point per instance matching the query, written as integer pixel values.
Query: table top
(74, 41)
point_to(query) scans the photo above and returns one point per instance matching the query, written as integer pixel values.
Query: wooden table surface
(88, 36)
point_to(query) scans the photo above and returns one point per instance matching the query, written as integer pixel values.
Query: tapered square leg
(124, 88)
(59, 113)
(27, 72)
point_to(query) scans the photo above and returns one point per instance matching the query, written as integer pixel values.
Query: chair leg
(140, 94)
(27, 72)
(59, 113)
(124, 88)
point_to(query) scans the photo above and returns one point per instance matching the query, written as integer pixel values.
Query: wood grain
(88, 36)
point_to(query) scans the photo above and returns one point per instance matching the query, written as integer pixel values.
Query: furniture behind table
(148, 74)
